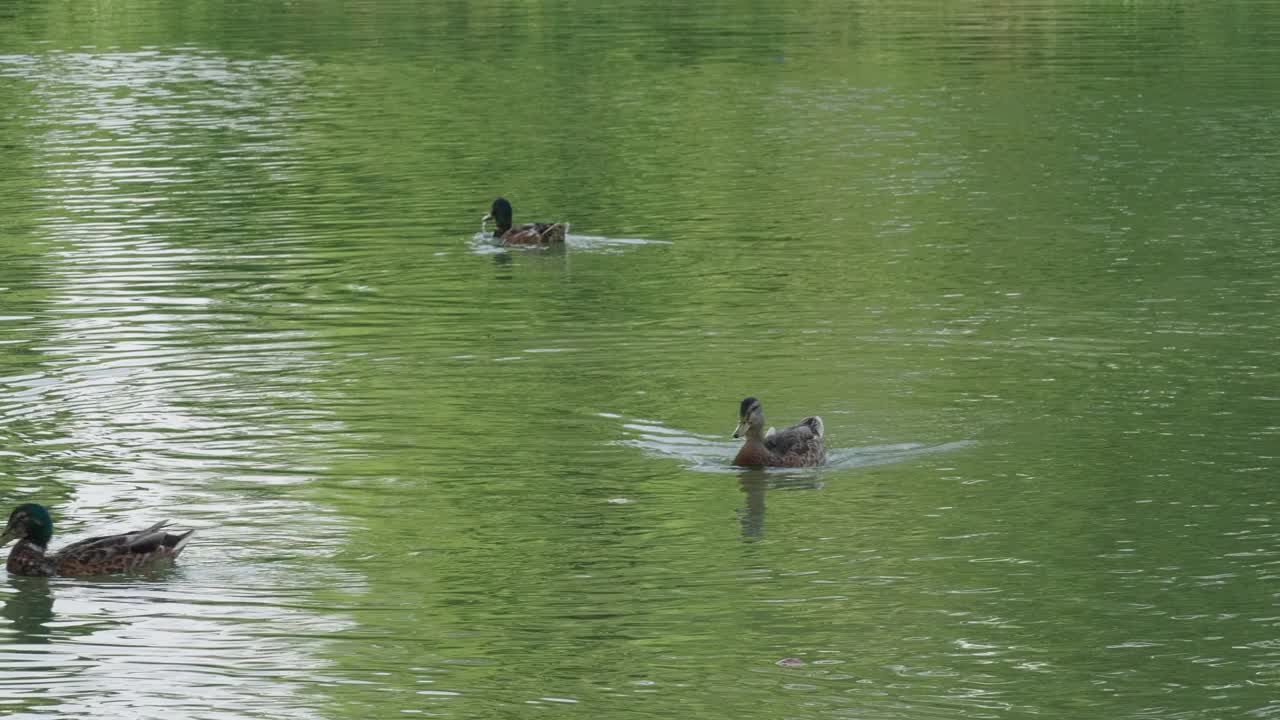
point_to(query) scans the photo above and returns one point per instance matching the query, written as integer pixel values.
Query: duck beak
(487, 217)
(741, 430)
(10, 534)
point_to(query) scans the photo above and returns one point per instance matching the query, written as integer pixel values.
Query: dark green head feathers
(29, 522)
(500, 212)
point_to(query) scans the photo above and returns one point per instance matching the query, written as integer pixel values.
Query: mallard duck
(32, 527)
(797, 446)
(530, 234)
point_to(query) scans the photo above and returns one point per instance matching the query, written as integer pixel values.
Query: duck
(31, 525)
(797, 446)
(528, 234)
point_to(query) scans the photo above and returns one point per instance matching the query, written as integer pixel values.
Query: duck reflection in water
(29, 608)
(502, 265)
(504, 262)
(755, 484)
(751, 517)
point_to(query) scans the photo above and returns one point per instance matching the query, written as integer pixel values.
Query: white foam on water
(708, 453)
(483, 243)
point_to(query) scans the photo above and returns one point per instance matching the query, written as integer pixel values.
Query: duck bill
(10, 534)
(741, 430)
(487, 217)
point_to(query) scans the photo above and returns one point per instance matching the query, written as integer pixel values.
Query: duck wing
(535, 234)
(802, 438)
(553, 232)
(121, 552)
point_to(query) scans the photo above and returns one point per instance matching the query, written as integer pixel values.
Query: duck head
(750, 419)
(28, 522)
(500, 212)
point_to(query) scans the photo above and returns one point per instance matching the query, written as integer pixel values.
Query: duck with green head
(31, 525)
(797, 446)
(533, 234)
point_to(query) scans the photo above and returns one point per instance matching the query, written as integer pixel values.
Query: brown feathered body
(125, 552)
(527, 235)
(534, 234)
(800, 445)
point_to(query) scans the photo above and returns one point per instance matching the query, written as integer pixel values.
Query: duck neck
(28, 558)
(753, 452)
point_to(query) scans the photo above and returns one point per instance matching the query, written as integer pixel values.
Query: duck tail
(555, 233)
(815, 424)
(153, 528)
(179, 542)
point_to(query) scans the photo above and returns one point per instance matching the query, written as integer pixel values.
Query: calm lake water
(1022, 257)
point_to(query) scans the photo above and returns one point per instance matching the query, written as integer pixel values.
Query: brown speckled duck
(797, 446)
(531, 234)
(32, 527)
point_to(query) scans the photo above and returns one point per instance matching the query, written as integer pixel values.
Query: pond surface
(1021, 257)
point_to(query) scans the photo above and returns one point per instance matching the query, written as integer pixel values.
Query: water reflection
(755, 484)
(148, 413)
(29, 609)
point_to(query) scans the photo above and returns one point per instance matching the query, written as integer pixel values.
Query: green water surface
(1022, 257)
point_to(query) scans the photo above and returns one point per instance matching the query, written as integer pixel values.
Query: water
(1022, 258)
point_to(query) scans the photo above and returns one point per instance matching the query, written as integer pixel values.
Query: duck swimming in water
(32, 527)
(797, 446)
(529, 234)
